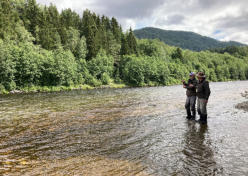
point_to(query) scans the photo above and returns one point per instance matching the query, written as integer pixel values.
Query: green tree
(81, 49)
(116, 30)
(132, 43)
(89, 30)
(32, 15)
(178, 54)
(7, 67)
(125, 49)
(8, 19)
(72, 40)
(101, 65)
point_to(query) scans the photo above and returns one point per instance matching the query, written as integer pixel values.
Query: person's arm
(195, 84)
(185, 85)
(207, 90)
(192, 84)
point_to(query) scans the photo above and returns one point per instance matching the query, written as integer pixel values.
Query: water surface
(135, 131)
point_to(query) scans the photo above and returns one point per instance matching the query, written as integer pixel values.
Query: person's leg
(198, 107)
(203, 111)
(187, 107)
(204, 107)
(192, 106)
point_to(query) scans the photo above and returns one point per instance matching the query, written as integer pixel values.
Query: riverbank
(37, 89)
(244, 105)
(112, 84)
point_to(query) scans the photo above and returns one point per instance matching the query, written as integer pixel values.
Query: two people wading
(197, 89)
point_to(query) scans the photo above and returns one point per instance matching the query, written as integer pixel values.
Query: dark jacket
(203, 90)
(191, 91)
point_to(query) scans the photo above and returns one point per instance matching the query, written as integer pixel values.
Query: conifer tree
(132, 43)
(124, 45)
(116, 29)
(31, 14)
(8, 19)
(89, 31)
(68, 18)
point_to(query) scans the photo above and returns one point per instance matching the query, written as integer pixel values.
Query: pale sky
(221, 19)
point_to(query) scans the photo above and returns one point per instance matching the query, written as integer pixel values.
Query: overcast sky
(221, 19)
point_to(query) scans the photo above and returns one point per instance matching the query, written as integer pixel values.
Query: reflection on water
(199, 156)
(139, 131)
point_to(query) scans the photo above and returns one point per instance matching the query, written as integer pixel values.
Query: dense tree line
(41, 47)
(232, 50)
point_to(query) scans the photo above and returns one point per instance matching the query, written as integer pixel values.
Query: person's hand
(184, 86)
(191, 85)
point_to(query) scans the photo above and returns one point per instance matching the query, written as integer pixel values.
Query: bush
(133, 72)
(2, 89)
(27, 60)
(102, 66)
(7, 67)
(140, 71)
(64, 68)
(105, 79)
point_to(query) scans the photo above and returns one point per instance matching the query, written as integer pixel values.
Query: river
(131, 131)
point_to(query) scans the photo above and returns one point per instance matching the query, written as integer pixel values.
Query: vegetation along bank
(46, 50)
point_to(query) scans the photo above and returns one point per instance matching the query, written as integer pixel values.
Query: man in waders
(191, 96)
(203, 93)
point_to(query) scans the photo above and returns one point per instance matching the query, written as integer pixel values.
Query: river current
(131, 131)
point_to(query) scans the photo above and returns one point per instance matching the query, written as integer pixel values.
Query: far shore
(38, 89)
(47, 89)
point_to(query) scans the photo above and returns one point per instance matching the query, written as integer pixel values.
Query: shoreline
(49, 89)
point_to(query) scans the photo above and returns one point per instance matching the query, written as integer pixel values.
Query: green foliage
(81, 49)
(26, 61)
(133, 72)
(177, 54)
(132, 43)
(72, 40)
(44, 50)
(105, 79)
(116, 29)
(129, 43)
(92, 81)
(101, 66)
(233, 50)
(65, 68)
(140, 71)
(125, 49)
(2, 89)
(7, 67)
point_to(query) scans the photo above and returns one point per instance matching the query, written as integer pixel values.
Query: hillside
(182, 39)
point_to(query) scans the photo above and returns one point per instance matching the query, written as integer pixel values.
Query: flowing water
(134, 131)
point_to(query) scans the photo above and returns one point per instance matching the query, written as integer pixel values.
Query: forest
(42, 49)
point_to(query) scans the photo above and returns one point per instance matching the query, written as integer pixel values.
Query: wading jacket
(191, 91)
(203, 90)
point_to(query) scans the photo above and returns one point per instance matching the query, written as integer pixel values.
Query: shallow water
(135, 131)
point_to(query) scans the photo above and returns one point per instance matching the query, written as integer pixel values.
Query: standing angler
(191, 96)
(203, 93)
